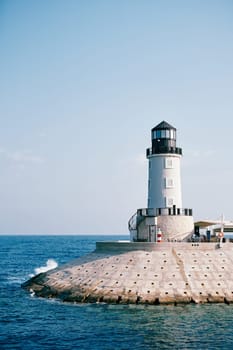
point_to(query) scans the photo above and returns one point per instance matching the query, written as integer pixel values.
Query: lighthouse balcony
(163, 149)
(164, 211)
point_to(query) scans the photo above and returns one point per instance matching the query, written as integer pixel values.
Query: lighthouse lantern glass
(163, 134)
(156, 134)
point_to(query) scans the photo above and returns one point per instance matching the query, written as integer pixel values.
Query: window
(169, 182)
(168, 163)
(163, 134)
(169, 201)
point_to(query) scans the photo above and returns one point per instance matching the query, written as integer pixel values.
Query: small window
(169, 201)
(168, 163)
(169, 182)
(158, 134)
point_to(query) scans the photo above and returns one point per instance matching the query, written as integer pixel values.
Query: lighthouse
(164, 183)
(160, 265)
(164, 213)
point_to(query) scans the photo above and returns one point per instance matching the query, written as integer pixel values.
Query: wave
(50, 264)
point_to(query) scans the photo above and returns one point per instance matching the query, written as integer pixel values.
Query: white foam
(32, 293)
(50, 264)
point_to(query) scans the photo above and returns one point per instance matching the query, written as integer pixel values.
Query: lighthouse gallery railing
(141, 213)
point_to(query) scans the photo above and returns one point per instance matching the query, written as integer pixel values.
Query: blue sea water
(28, 322)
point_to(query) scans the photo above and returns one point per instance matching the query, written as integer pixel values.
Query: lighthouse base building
(165, 225)
(164, 219)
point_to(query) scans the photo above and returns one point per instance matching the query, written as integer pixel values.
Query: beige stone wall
(176, 227)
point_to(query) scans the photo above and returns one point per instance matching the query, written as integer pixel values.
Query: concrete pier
(154, 273)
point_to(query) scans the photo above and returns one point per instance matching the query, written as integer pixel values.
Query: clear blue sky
(82, 84)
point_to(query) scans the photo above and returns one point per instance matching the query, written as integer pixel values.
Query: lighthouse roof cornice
(163, 125)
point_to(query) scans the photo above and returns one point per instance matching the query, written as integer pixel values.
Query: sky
(82, 84)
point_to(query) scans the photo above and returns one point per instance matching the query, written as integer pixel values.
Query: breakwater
(126, 272)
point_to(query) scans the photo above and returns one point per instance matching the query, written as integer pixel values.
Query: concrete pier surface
(153, 273)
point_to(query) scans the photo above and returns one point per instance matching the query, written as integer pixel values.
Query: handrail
(165, 211)
(132, 223)
(165, 149)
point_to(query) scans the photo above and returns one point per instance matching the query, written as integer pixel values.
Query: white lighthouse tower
(164, 213)
(164, 183)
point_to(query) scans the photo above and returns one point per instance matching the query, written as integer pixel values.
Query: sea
(31, 323)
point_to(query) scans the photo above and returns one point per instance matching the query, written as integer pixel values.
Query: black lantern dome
(163, 137)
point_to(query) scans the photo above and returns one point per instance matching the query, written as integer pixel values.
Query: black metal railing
(165, 149)
(165, 211)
